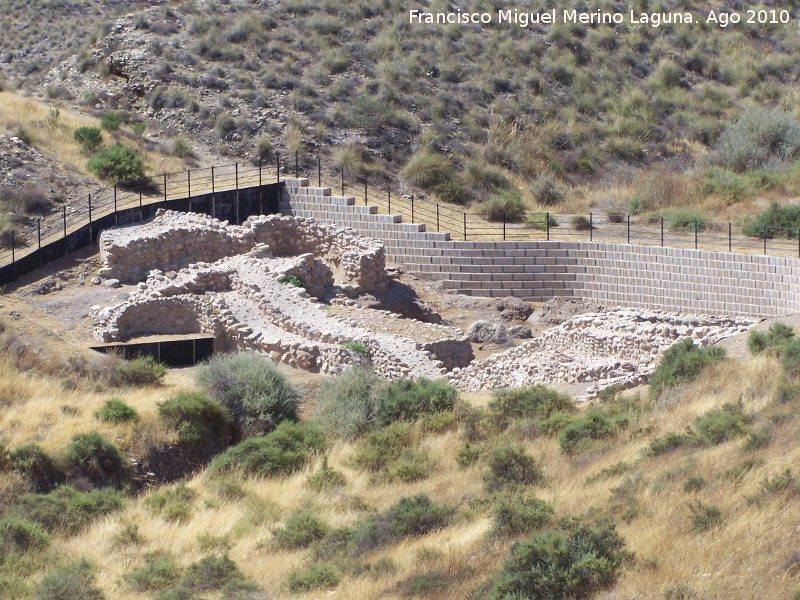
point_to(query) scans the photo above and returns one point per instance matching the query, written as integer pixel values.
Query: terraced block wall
(611, 274)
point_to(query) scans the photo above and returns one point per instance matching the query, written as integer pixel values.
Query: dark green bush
(119, 165)
(89, 138)
(533, 402)
(468, 455)
(593, 425)
(541, 221)
(32, 462)
(21, 536)
(703, 518)
(511, 466)
(426, 169)
(757, 440)
(694, 484)
(73, 581)
(92, 456)
(115, 410)
(406, 399)
(174, 504)
(682, 363)
(348, 403)
(109, 121)
(313, 577)
(257, 394)
(65, 509)
(409, 517)
(781, 483)
(777, 220)
(381, 447)
(790, 358)
(142, 371)
(214, 573)
(282, 452)
(771, 341)
(574, 560)
(158, 572)
(326, 478)
(517, 514)
(721, 424)
(503, 206)
(300, 530)
(410, 466)
(197, 418)
(668, 442)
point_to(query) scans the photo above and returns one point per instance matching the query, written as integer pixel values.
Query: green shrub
(301, 529)
(468, 456)
(89, 138)
(757, 342)
(158, 572)
(94, 457)
(181, 147)
(778, 221)
(359, 348)
(547, 190)
(720, 425)
(21, 535)
(348, 402)
(518, 514)
(65, 509)
(410, 466)
(581, 223)
(541, 221)
(683, 218)
(703, 518)
(781, 483)
(682, 363)
(381, 447)
(425, 584)
(409, 517)
(119, 165)
(790, 358)
(406, 399)
(511, 466)
(32, 462)
(693, 484)
(73, 581)
(109, 121)
(726, 184)
(295, 281)
(114, 410)
(216, 573)
(313, 577)
(572, 561)
(197, 418)
(426, 169)
(786, 391)
(139, 129)
(667, 443)
(326, 478)
(282, 452)
(142, 371)
(258, 396)
(593, 425)
(449, 191)
(757, 440)
(174, 504)
(504, 205)
(532, 402)
(757, 139)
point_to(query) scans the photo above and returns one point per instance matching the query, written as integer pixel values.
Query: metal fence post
(236, 167)
(91, 237)
(465, 226)
(695, 234)
(662, 232)
(547, 224)
(765, 239)
(629, 228)
(64, 209)
(189, 187)
(504, 227)
(297, 164)
(412, 208)
(319, 172)
(365, 192)
(260, 190)
(389, 189)
(116, 218)
(730, 237)
(278, 166)
(591, 228)
(437, 216)
(213, 196)
(13, 248)
(39, 230)
(342, 181)
(165, 190)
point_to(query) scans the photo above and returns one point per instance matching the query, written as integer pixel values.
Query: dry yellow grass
(745, 558)
(55, 137)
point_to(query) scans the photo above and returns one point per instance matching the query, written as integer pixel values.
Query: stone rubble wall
(620, 346)
(174, 240)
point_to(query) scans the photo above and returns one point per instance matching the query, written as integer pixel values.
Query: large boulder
(483, 332)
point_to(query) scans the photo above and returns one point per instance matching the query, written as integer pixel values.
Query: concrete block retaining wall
(649, 277)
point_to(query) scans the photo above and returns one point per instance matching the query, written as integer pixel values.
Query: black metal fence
(207, 190)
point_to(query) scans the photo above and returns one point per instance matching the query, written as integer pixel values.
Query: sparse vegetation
(89, 138)
(119, 164)
(682, 363)
(143, 371)
(116, 411)
(198, 419)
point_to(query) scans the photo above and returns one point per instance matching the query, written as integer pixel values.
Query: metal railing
(391, 197)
